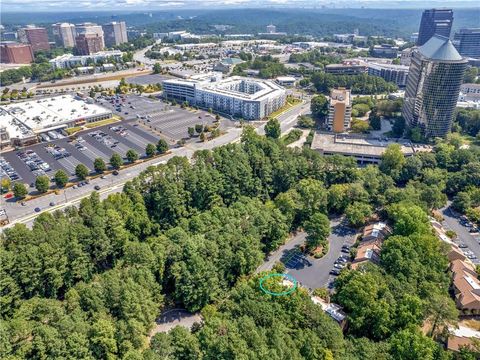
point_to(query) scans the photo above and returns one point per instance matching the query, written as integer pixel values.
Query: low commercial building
(347, 68)
(22, 122)
(287, 81)
(385, 50)
(364, 150)
(340, 110)
(226, 65)
(250, 99)
(469, 92)
(397, 74)
(68, 61)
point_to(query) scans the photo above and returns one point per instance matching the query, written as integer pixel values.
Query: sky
(133, 5)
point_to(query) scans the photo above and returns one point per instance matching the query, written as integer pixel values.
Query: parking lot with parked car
(171, 121)
(467, 234)
(315, 273)
(149, 121)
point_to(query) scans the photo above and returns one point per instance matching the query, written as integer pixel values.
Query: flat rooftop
(50, 113)
(340, 96)
(226, 86)
(355, 146)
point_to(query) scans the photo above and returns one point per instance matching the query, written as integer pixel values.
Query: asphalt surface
(172, 122)
(111, 184)
(451, 222)
(315, 273)
(165, 121)
(310, 272)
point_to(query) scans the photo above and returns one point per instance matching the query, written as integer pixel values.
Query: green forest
(89, 282)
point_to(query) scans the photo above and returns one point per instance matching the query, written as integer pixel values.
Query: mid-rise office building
(87, 44)
(340, 110)
(348, 67)
(115, 33)
(385, 50)
(435, 21)
(271, 29)
(16, 53)
(64, 34)
(467, 42)
(390, 72)
(90, 28)
(9, 36)
(433, 85)
(250, 99)
(35, 36)
(406, 56)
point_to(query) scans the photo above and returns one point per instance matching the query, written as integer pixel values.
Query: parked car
(96, 187)
(335, 272)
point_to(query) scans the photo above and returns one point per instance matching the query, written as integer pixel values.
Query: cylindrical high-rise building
(434, 79)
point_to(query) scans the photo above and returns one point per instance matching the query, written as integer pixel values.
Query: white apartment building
(67, 61)
(390, 72)
(250, 99)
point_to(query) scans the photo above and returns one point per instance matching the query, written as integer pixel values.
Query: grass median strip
(101, 123)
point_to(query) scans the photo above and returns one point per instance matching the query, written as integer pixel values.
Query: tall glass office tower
(467, 42)
(434, 21)
(434, 79)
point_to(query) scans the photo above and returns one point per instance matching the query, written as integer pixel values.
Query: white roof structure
(232, 85)
(33, 116)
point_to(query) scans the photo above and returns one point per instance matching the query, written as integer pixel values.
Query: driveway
(175, 317)
(451, 222)
(283, 252)
(310, 272)
(315, 273)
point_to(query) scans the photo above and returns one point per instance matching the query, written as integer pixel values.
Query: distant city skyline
(142, 5)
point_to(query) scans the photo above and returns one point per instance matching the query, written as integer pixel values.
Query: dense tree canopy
(88, 282)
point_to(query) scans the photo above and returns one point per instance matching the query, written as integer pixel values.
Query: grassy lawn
(102, 122)
(73, 130)
(291, 102)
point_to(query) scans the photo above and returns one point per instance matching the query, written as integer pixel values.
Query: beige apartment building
(340, 111)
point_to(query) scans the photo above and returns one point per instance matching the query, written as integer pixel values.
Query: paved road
(463, 236)
(282, 252)
(315, 273)
(175, 317)
(112, 184)
(308, 271)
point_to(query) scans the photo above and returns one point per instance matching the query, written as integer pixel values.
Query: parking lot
(147, 121)
(46, 158)
(160, 117)
(314, 273)
(468, 237)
